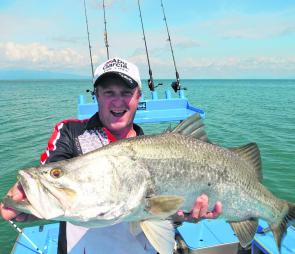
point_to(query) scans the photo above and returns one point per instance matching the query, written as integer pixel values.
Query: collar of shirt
(94, 122)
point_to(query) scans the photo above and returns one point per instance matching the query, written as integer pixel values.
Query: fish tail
(279, 230)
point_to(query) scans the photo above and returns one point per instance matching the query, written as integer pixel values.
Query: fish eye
(56, 172)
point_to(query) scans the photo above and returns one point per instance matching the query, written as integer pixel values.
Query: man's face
(117, 105)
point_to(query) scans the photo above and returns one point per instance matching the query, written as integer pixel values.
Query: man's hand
(199, 211)
(16, 193)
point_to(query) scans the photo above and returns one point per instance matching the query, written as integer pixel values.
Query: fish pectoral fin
(160, 234)
(245, 231)
(163, 205)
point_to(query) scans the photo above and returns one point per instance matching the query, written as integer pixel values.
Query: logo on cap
(115, 63)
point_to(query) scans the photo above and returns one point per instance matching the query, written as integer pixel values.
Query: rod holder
(181, 94)
(154, 95)
(168, 94)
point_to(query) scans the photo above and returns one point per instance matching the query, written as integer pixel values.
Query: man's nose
(118, 100)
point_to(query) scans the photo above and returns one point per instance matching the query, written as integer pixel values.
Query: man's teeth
(118, 113)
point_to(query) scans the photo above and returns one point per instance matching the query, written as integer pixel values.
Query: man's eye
(108, 93)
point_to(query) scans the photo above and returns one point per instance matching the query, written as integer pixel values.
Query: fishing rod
(88, 36)
(176, 84)
(105, 31)
(25, 236)
(151, 80)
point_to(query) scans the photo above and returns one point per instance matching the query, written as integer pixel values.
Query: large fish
(144, 180)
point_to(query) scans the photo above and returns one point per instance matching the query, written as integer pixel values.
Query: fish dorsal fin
(193, 127)
(251, 154)
(160, 234)
(163, 206)
(245, 231)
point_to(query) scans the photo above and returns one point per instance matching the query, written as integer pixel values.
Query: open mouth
(24, 205)
(39, 197)
(118, 113)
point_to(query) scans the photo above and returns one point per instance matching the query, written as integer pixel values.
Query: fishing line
(175, 85)
(151, 80)
(25, 236)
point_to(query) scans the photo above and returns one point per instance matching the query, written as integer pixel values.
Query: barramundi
(147, 179)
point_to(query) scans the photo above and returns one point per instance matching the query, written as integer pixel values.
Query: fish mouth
(37, 195)
(26, 182)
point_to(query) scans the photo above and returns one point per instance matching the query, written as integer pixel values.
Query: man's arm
(60, 145)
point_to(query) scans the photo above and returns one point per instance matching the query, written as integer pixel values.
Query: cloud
(41, 57)
(36, 55)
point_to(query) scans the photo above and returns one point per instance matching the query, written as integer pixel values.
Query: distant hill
(33, 74)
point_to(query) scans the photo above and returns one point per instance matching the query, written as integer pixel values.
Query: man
(117, 87)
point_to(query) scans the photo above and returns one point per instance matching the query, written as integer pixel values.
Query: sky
(210, 39)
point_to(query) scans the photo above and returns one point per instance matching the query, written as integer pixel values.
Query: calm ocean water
(237, 112)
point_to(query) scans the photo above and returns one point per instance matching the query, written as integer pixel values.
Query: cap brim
(131, 83)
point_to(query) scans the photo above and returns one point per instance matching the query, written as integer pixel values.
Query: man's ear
(139, 93)
(96, 91)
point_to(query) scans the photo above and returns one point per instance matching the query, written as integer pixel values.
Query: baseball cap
(121, 68)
